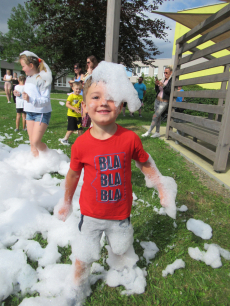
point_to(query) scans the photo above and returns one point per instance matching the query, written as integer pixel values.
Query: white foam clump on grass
(199, 228)
(177, 264)
(164, 184)
(118, 86)
(150, 250)
(212, 256)
(182, 208)
(61, 103)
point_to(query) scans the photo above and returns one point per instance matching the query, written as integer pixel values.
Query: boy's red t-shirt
(107, 190)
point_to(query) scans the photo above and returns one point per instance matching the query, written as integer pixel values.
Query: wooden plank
(174, 78)
(194, 131)
(220, 77)
(193, 145)
(206, 24)
(206, 37)
(222, 150)
(224, 44)
(213, 109)
(217, 62)
(223, 86)
(210, 124)
(201, 94)
(208, 57)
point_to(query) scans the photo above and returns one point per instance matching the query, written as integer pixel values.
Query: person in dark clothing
(15, 82)
(163, 90)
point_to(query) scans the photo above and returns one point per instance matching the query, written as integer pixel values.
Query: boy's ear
(83, 104)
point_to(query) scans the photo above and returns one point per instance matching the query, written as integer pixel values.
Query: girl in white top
(7, 86)
(36, 98)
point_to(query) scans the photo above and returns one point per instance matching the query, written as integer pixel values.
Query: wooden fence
(208, 136)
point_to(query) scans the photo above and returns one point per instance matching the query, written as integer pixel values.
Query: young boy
(19, 89)
(74, 113)
(105, 152)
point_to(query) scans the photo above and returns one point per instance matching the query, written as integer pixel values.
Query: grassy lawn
(197, 284)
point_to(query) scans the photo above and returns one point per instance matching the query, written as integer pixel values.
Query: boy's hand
(167, 195)
(64, 212)
(77, 110)
(25, 96)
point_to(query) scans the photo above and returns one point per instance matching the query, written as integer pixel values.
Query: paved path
(200, 161)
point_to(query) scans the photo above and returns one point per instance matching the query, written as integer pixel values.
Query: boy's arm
(71, 182)
(166, 186)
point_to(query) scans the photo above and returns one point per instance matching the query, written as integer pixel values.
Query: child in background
(105, 152)
(20, 104)
(73, 104)
(36, 98)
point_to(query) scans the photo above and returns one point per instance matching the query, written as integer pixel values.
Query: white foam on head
(199, 228)
(118, 86)
(177, 264)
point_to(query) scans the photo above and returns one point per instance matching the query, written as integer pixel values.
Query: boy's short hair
(22, 78)
(77, 84)
(87, 85)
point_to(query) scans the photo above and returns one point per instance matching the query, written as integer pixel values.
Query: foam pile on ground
(177, 264)
(213, 255)
(150, 250)
(117, 84)
(123, 271)
(199, 228)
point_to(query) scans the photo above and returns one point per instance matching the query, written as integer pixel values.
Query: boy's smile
(76, 90)
(101, 111)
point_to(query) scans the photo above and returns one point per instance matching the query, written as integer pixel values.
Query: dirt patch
(207, 181)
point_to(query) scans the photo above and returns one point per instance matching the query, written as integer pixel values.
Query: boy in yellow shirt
(74, 113)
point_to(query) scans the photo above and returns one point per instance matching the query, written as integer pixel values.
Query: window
(60, 82)
(155, 73)
(139, 70)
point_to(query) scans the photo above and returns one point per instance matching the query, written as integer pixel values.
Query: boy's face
(76, 90)
(21, 82)
(101, 111)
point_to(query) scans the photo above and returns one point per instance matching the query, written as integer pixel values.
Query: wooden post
(112, 30)
(222, 150)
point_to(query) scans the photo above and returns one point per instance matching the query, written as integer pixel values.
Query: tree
(67, 31)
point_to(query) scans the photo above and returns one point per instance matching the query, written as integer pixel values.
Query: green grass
(197, 284)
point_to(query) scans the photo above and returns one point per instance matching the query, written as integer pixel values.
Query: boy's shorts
(74, 124)
(119, 234)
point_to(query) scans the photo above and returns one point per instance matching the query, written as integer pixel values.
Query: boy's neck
(103, 132)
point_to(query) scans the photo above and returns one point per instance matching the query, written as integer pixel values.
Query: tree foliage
(67, 31)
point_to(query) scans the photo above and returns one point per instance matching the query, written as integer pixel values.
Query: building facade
(157, 70)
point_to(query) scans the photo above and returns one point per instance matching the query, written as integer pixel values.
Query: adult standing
(141, 90)
(7, 86)
(78, 75)
(15, 82)
(91, 64)
(163, 90)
